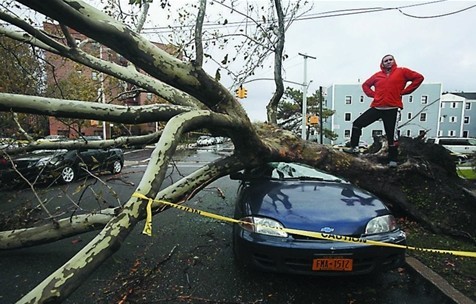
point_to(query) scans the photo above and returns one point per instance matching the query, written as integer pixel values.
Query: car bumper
(287, 255)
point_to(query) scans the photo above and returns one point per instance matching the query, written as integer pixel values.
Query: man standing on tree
(386, 87)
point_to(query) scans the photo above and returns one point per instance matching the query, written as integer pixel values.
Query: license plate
(332, 264)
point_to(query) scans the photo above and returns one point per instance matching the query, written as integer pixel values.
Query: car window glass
(282, 170)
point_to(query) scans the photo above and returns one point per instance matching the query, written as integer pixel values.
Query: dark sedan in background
(295, 196)
(60, 165)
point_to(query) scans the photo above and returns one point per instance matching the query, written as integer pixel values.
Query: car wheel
(116, 167)
(68, 175)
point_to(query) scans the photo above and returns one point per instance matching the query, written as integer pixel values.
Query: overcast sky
(348, 48)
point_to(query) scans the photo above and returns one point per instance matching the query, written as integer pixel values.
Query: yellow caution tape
(318, 235)
(148, 221)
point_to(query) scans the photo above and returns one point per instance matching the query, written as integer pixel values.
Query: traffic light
(238, 93)
(241, 92)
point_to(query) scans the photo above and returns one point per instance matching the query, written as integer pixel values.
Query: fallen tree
(424, 187)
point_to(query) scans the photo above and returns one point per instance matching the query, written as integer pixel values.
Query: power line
(321, 15)
(437, 16)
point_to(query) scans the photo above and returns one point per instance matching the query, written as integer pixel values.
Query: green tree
(21, 74)
(290, 112)
(75, 86)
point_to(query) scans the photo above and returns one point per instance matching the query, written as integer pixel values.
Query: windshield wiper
(311, 178)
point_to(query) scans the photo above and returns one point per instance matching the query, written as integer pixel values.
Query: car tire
(116, 167)
(68, 174)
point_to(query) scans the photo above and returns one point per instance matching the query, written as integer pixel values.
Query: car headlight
(263, 226)
(381, 224)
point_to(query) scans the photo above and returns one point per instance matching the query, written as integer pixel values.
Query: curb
(437, 281)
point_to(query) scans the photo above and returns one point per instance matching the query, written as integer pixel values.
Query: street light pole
(103, 99)
(304, 96)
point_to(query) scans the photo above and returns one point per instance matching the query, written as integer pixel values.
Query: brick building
(69, 80)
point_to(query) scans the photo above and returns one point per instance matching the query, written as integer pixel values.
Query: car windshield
(281, 170)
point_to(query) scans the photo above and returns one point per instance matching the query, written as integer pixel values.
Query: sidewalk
(437, 281)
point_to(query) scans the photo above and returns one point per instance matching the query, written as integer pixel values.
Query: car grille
(308, 238)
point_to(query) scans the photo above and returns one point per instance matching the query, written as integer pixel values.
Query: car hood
(330, 207)
(35, 156)
(26, 160)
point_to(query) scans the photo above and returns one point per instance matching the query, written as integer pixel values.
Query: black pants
(389, 118)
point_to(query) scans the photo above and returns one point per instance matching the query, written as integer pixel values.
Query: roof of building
(467, 95)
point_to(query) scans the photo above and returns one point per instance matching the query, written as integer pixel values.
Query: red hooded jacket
(390, 88)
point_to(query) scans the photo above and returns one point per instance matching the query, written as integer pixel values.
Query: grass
(466, 173)
(459, 271)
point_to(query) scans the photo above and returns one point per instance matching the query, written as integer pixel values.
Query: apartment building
(420, 114)
(457, 115)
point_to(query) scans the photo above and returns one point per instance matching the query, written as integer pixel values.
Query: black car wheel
(68, 175)
(116, 167)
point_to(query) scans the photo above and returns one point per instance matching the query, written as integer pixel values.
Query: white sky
(348, 48)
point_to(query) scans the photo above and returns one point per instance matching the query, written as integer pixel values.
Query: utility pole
(304, 96)
(320, 114)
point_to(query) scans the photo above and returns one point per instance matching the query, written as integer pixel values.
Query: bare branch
(198, 33)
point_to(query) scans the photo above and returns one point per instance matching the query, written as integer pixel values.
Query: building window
(424, 99)
(451, 133)
(346, 133)
(440, 133)
(454, 105)
(442, 105)
(466, 119)
(422, 116)
(453, 119)
(347, 116)
(465, 134)
(409, 115)
(361, 99)
(408, 133)
(467, 106)
(94, 75)
(348, 99)
(442, 118)
(149, 95)
(410, 99)
(376, 133)
(421, 133)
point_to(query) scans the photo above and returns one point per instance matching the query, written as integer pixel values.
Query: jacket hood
(394, 66)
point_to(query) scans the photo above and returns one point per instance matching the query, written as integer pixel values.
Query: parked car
(457, 145)
(363, 146)
(61, 165)
(296, 196)
(53, 138)
(205, 141)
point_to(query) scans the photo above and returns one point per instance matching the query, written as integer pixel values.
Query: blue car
(281, 195)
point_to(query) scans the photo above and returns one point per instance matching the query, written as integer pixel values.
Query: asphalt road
(189, 258)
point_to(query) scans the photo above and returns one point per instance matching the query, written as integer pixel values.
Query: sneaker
(354, 150)
(392, 164)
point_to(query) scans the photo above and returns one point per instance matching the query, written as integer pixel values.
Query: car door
(92, 159)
